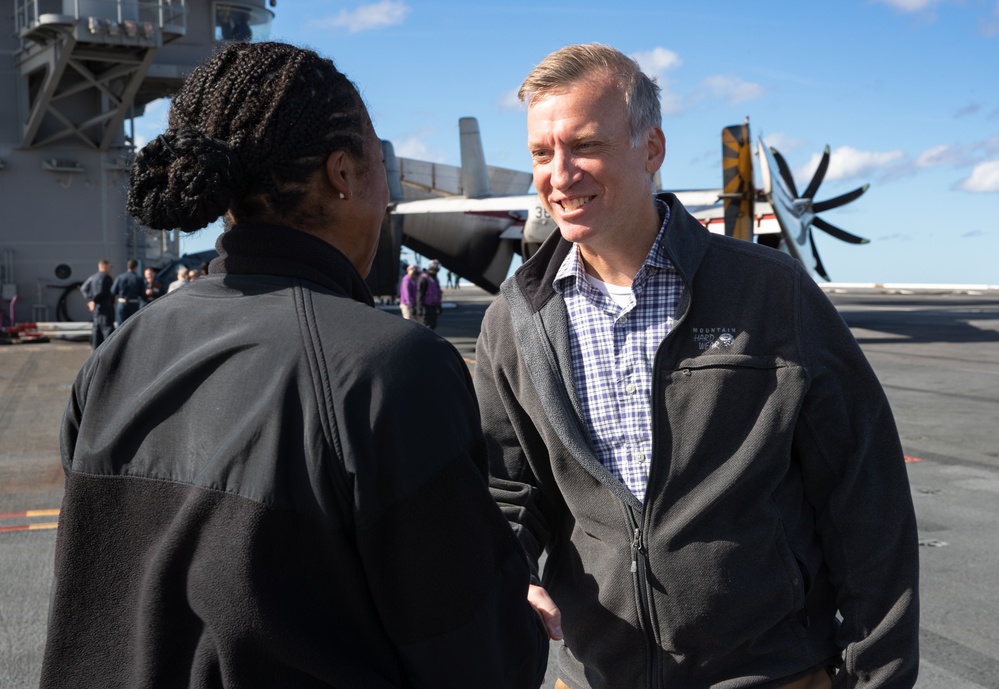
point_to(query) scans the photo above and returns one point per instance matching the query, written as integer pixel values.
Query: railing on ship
(170, 16)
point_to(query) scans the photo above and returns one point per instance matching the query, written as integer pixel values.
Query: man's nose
(564, 170)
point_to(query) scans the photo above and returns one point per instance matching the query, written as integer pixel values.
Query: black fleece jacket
(253, 498)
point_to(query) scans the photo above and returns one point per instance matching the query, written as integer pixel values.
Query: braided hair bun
(247, 131)
(183, 179)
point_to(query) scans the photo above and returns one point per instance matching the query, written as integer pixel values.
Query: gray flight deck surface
(935, 352)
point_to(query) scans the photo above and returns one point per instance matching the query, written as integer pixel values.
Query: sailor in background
(128, 288)
(97, 291)
(428, 296)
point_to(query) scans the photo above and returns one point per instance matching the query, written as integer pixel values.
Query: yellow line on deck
(31, 513)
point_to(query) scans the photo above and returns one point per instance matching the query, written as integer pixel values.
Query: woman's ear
(338, 165)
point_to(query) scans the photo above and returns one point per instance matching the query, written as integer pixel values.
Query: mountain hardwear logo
(713, 338)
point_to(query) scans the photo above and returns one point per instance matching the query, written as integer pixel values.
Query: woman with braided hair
(247, 510)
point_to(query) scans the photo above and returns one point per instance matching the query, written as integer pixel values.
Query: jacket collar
(686, 241)
(261, 249)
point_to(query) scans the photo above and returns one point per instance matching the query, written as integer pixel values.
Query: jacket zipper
(639, 569)
(639, 557)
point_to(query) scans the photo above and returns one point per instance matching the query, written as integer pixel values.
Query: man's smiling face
(589, 177)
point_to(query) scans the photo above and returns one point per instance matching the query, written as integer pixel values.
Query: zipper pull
(636, 545)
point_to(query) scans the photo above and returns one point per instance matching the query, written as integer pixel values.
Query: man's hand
(91, 305)
(547, 611)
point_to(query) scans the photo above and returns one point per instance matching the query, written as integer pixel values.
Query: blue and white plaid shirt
(613, 349)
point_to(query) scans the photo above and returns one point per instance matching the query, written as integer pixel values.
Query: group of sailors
(112, 301)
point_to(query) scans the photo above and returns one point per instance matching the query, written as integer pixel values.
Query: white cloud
(374, 16)
(936, 156)
(152, 123)
(157, 111)
(847, 162)
(984, 179)
(990, 27)
(415, 146)
(733, 90)
(958, 155)
(657, 61)
(909, 5)
(988, 24)
(782, 142)
(508, 100)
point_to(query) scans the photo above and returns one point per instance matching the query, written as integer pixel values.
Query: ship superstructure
(73, 76)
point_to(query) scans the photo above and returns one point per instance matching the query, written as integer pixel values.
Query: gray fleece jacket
(777, 501)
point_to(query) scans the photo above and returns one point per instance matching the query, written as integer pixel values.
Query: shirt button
(622, 320)
(630, 388)
(640, 458)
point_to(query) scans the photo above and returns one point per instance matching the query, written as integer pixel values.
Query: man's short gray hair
(575, 63)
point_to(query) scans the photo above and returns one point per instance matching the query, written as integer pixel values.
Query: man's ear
(656, 147)
(338, 172)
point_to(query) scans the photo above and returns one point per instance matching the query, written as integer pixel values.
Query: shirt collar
(571, 272)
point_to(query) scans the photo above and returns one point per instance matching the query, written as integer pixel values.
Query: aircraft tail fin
(474, 176)
(738, 190)
(384, 275)
(476, 243)
(392, 171)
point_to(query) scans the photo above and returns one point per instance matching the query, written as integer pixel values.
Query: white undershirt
(619, 294)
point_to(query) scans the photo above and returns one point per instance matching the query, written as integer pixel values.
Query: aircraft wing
(460, 204)
(530, 222)
(698, 202)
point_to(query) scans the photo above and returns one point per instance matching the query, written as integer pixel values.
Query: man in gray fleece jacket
(686, 425)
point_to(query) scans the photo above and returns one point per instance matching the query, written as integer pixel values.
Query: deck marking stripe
(30, 513)
(29, 527)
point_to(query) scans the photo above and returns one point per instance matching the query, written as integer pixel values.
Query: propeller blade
(842, 235)
(785, 172)
(819, 268)
(840, 200)
(820, 173)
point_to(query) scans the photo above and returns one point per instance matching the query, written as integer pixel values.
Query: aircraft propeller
(796, 213)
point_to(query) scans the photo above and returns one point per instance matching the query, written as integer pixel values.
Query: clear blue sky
(905, 92)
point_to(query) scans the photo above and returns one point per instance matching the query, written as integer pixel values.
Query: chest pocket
(722, 406)
(726, 380)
